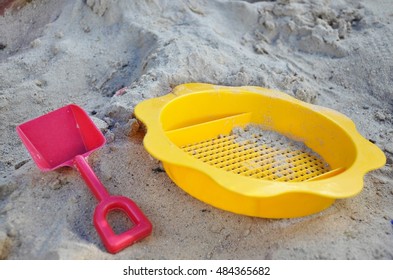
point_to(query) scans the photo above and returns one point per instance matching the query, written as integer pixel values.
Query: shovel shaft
(95, 185)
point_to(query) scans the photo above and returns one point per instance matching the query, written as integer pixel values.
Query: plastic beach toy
(65, 137)
(192, 130)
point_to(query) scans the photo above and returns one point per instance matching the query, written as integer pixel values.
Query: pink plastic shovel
(65, 137)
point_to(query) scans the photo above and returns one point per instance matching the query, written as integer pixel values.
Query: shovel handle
(117, 242)
(90, 178)
(112, 241)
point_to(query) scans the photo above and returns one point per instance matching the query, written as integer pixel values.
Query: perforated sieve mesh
(270, 161)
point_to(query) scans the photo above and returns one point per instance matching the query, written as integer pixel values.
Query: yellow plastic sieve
(216, 143)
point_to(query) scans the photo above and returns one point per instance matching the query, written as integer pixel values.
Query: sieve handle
(113, 242)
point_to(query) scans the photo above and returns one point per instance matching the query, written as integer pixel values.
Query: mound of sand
(332, 53)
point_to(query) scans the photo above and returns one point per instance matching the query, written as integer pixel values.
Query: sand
(287, 158)
(107, 56)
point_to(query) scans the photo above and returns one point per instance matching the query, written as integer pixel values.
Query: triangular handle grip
(117, 242)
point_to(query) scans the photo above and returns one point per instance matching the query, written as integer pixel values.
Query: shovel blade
(54, 139)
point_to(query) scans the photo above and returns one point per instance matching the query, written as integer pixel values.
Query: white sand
(337, 54)
(277, 153)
